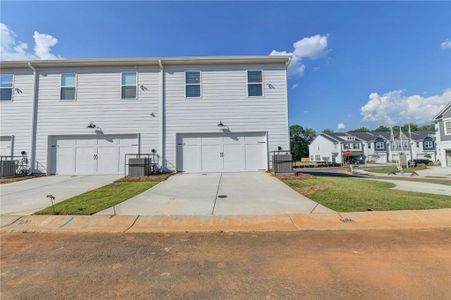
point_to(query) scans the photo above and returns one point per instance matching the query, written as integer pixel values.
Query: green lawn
(393, 169)
(99, 199)
(351, 194)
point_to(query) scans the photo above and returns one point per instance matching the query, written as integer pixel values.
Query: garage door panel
(107, 160)
(221, 152)
(89, 155)
(211, 158)
(84, 160)
(67, 155)
(191, 158)
(233, 157)
(255, 157)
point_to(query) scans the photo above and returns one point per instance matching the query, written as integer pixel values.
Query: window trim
(379, 148)
(444, 126)
(199, 84)
(76, 86)
(12, 88)
(427, 142)
(136, 85)
(247, 83)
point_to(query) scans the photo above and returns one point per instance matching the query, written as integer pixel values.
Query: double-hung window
(128, 85)
(448, 127)
(192, 84)
(68, 86)
(380, 145)
(6, 87)
(428, 145)
(254, 83)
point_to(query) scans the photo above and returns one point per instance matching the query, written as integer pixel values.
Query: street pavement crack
(216, 196)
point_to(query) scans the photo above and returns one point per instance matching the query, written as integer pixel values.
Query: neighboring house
(378, 147)
(443, 135)
(200, 114)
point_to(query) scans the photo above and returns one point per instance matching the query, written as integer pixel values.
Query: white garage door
(223, 152)
(90, 155)
(6, 146)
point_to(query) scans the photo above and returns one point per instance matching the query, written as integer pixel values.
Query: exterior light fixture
(220, 124)
(91, 125)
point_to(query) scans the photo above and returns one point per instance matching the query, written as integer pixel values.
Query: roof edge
(150, 61)
(442, 111)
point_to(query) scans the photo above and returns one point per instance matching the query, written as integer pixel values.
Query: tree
(361, 129)
(430, 127)
(300, 139)
(328, 131)
(382, 128)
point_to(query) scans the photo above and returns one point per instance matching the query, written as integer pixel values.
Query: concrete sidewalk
(419, 187)
(407, 219)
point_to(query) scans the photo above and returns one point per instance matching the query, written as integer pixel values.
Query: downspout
(34, 119)
(162, 117)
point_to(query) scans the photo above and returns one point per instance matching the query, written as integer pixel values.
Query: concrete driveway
(29, 196)
(419, 187)
(247, 193)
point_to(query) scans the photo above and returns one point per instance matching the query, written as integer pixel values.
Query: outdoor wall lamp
(91, 125)
(220, 124)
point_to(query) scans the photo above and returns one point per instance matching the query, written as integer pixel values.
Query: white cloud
(341, 126)
(395, 107)
(13, 49)
(295, 85)
(446, 44)
(310, 47)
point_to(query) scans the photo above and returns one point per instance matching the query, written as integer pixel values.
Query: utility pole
(410, 143)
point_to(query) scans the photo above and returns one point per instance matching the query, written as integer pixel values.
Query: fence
(282, 162)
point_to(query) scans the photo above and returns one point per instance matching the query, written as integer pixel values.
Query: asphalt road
(410, 264)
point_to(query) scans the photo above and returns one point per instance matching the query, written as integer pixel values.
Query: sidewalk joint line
(133, 224)
(291, 219)
(216, 197)
(13, 222)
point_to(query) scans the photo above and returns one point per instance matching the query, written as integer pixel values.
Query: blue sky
(383, 62)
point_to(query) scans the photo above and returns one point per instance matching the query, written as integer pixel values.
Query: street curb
(408, 219)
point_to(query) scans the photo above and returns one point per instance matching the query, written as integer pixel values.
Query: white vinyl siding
(15, 116)
(98, 101)
(224, 98)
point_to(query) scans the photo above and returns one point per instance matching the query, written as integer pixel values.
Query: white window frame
(247, 85)
(136, 85)
(444, 126)
(76, 86)
(12, 87)
(318, 157)
(430, 143)
(376, 147)
(199, 84)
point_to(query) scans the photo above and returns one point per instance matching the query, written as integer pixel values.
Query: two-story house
(377, 147)
(443, 135)
(200, 114)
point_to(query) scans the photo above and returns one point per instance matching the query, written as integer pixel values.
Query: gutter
(162, 116)
(34, 119)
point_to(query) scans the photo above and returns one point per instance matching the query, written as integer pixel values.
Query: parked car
(416, 162)
(357, 160)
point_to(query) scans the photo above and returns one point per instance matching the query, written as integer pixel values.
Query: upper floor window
(68, 86)
(428, 144)
(6, 87)
(380, 145)
(369, 145)
(192, 84)
(254, 83)
(128, 85)
(448, 127)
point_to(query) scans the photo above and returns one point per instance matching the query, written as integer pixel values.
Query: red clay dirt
(377, 264)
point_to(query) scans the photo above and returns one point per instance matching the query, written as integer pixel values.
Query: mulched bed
(156, 177)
